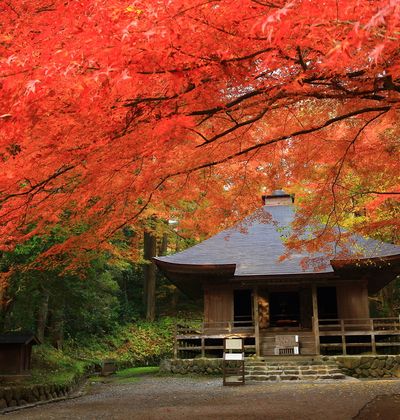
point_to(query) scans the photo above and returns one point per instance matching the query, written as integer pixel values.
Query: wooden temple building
(249, 292)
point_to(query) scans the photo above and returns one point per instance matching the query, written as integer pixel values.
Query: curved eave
(189, 277)
(223, 269)
(295, 276)
(379, 271)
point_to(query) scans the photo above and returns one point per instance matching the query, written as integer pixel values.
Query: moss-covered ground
(136, 348)
(128, 375)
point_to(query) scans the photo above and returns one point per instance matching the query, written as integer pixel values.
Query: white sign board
(233, 344)
(233, 356)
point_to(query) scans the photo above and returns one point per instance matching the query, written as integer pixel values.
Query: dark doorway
(284, 309)
(327, 303)
(242, 308)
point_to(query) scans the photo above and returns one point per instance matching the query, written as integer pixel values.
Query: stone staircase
(293, 369)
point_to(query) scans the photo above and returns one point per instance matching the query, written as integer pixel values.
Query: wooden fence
(367, 334)
(197, 337)
(332, 336)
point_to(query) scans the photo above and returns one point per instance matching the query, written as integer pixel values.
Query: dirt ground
(154, 397)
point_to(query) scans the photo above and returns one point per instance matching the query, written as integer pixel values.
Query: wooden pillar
(373, 342)
(342, 331)
(315, 318)
(256, 321)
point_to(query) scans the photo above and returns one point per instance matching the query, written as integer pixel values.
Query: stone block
(165, 365)
(338, 376)
(366, 361)
(17, 393)
(375, 364)
(8, 395)
(30, 397)
(396, 372)
(35, 391)
(349, 362)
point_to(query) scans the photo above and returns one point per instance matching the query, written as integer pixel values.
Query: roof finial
(278, 198)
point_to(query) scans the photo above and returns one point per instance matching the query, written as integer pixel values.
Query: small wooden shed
(15, 353)
(248, 291)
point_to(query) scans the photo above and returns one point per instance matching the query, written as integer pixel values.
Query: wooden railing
(331, 335)
(195, 328)
(377, 325)
(376, 332)
(200, 337)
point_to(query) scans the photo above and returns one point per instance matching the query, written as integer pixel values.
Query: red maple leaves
(113, 110)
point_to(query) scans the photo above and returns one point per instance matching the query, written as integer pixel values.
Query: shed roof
(256, 244)
(18, 338)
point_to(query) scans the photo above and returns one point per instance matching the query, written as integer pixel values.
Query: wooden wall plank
(218, 303)
(352, 299)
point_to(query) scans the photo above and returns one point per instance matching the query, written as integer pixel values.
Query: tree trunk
(3, 306)
(42, 314)
(174, 300)
(177, 244)
(7, 301)
(164, 245)
(150, 244)
(56, 326)
(125, 295)
(388, 300)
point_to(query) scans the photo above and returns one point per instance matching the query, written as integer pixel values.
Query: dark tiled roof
(18, 338)
(256, 244)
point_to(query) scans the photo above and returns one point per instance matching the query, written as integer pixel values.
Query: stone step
(286, 372)
(291, 370)
(265, 372)
(289, 367)
(278, 370)
(288, 377)
(290, 363)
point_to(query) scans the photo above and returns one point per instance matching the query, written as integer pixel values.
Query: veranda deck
(328, 337)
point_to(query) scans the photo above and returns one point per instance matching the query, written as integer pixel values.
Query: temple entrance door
(284, 309)
(242, 308)
(327, 303)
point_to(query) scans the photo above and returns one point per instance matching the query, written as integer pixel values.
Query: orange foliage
(114, 110)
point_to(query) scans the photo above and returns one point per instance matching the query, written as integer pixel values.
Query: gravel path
(199, 398)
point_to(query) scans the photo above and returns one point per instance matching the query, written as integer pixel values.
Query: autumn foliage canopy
(114, 110)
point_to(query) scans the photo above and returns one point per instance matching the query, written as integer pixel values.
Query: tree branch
(40, 185)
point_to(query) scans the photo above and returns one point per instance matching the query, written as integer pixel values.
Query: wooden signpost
(233, 362)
